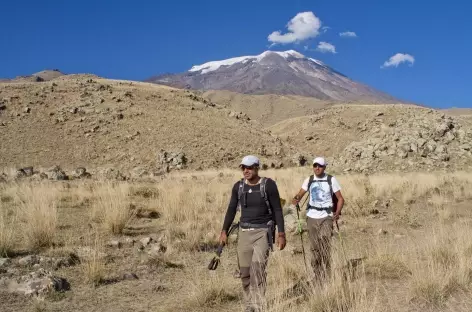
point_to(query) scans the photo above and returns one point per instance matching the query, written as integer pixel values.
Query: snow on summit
(214, 65)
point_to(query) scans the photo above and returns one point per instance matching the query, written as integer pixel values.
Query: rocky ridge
(420, 138)
(365, 138)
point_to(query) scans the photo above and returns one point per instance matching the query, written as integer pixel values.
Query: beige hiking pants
(253, 253)
(320, 232)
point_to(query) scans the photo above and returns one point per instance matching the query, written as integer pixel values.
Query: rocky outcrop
(419, 139)
(171, 160)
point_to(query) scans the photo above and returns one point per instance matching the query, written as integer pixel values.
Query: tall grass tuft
(38, 209)
(112, 206)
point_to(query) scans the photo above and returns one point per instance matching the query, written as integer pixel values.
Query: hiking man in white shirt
(324, 207)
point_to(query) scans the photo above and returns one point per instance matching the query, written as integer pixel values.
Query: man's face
(318, 169)
(249, 172)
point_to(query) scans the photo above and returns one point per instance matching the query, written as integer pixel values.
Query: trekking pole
(300, 230)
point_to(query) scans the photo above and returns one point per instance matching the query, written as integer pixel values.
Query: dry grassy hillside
(80, 120)
(124, 246)
(267, 109)
(460, 113)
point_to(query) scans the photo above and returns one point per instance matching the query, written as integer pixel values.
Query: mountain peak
(215, 65)
(275, 72)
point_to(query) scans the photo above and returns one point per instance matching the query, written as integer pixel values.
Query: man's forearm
(339, 206)
(229, 217)
(299, 194)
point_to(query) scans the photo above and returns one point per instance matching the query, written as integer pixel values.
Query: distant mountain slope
(83, 120)
(45, 75)
(283, 73)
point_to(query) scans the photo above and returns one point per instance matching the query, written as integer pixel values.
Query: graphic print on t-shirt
(318, 194)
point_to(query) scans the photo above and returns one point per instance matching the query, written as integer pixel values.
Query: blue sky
(138, 39)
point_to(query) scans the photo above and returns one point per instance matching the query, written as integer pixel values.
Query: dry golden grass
(111, 206)
(6, 231)
(429, 265)
(37, 208)
(387, 267)
(210, 288)
(93, 265)
(193, 209)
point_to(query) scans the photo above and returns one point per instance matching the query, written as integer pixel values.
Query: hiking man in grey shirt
(259, 201)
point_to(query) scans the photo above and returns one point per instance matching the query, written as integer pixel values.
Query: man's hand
(295, 200)
(281, 241)
(335, 220)
(223, 238)
(335, 217)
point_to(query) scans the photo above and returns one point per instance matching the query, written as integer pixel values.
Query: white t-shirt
(320, 196)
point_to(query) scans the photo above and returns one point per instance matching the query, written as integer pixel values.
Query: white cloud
(399, 58)
(303, 26)
(326, 47)
(348, 34)
(325, 28)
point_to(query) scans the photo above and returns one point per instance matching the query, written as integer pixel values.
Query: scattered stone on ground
(239, 115)
(36, 283)
(29, 260)
(4, 262)
(114, 244)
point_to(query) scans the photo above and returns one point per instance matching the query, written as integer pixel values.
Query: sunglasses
(318, 166)
(248, 167)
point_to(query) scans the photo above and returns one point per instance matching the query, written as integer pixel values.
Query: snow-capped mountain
(285, 73)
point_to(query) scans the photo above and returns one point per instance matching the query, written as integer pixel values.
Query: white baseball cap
(320, 160)
(250, 161)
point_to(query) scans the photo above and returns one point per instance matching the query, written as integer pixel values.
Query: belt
(252, 226)
(320, 208)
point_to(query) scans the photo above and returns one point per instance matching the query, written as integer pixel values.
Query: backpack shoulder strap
(264, 194)
(310, 181)
(330, 183)
(240, 192)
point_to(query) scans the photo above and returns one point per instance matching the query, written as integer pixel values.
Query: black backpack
(329, 181)
(262, 186)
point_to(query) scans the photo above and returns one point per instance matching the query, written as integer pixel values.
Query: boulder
(466, 147)
(57, 174)
(4, 262)
(111, 174)
(299, 160)
(20, 173)
(129, 277)
(28, 260)
(28, 171)
(114, 244)
(35, 284)
(81, 173)
(145, 241)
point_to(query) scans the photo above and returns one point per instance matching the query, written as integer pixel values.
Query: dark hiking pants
(253, 253)
(320, 232)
